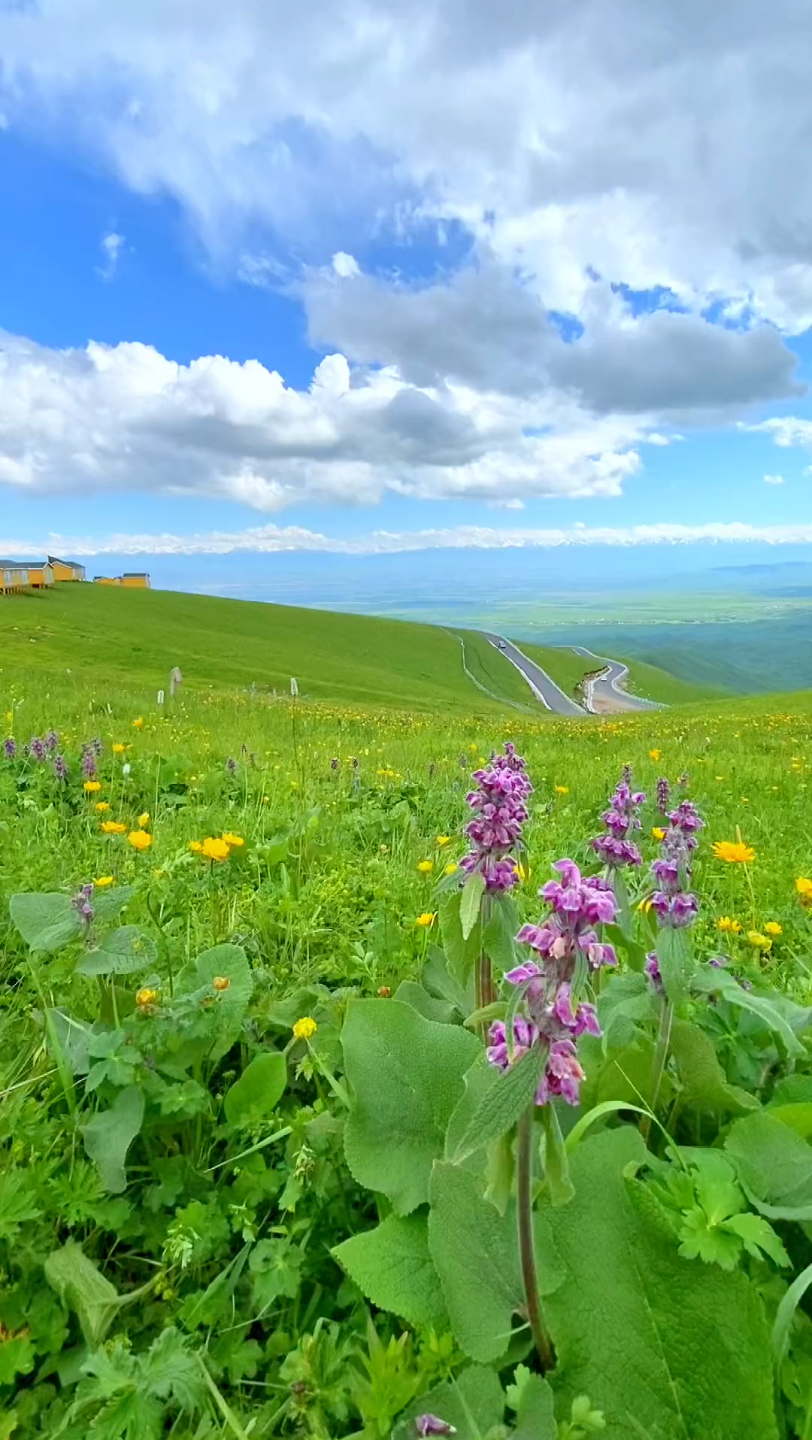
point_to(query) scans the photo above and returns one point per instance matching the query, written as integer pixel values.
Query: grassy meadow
(174, 1195)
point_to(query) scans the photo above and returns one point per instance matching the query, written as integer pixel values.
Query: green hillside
(350, 659)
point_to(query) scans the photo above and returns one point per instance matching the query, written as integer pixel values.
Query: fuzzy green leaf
(676, 962)
(124, 952)
(535, 1419)
(250, 1100)
(460, 953)
(774, 1166)
(704, 1083)
(501, 1105)
(663, 1346)
(393, 1268)
(718, 982)
(471, 903)
(109, 1135)
(473, 1403)
(46, 922)
(80, 1284)
(406, 1075)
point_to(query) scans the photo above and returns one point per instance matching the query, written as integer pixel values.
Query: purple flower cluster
(433, 1425)
(552, 1019)
(673, 902)
(615, 848)
(81, 902)
(36, 748)
(89, 761)
(61, 768)
(499, 803)
(663, 795)
(10, 748)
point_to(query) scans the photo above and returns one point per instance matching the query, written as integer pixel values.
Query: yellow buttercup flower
(645, 904)
(443, 840)
(139, 839)
(305, 1028)
(451, 868)
(562, 789)
(196, 846)
(102, 806)
(118, 748)
(759, 941)
(655, 754)
(658, 833)
(426, 919)
(92, 787)
(138, 723)
(726, 924)
(113, 827)
(773, 928)
(520, 872)
(146, 998)
(235, 841)
(215, 849)
(804, 889)
(103, 881)
(735, 852)
(425, 866)
(143, 820)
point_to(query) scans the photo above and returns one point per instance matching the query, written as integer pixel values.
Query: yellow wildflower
(221, 982)
(118, 748)
(759, 941)
(235, 841)
(443, 840)
(426, 919)
(425, 866)
(451, 868)
(138, 724)
(735, 852)
(725, 923)
(804, 888)
(645, 904)
(146, 998)
(658, 833)
(103, 881)
(113, 827)
(520, 872)
(196, 846)
(773, 928)
(214, 849)
(562, 789)
(143, 820)
(654, 754)
(305, 1028)
(92, 787)
(139, 839)
(102, 806)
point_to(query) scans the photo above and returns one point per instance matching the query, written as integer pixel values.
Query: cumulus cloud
(773, 479)
(276, 539)
(125, 418)
(656, 144)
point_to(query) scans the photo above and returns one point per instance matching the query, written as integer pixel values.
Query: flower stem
(658, 1063)
(527, 1248)
(485, 990)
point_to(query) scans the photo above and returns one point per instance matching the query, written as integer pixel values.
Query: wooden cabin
(66, 571)
(106, 580)
(135, 580)
(16, 575)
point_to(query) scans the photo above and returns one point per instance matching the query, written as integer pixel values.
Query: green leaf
(393, 1268)
(718, 982)
(797, 1116)
(123, 952)
(664, 1347)
(702, 1240)
(461, 953)
(81, 1286)
(536, 1414)
(501, 1105)
(704, 1083)
(108, 904)
(441, 983)
(676, 962)
(556, 1167)
(498, 933)
(231, 963)
(473, 1403)
(786, 1313)
(425, 1004)
(109, 1135)
(774, 1166)
(758, 1237)
(275, 1267)
(475, 1252)
(471, 902)
(626, 999)
(258, 1091)
(46, 922)
(406, 1075)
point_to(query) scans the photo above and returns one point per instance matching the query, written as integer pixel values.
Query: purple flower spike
(672, 902)
(615, 848)
(10, 748)
(433, 1425)
(88, 762)
(500, 811)
(61, 768)
(663, 795)
(51, 741)
(81, 902)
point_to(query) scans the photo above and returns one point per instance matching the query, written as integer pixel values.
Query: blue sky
(537, 318)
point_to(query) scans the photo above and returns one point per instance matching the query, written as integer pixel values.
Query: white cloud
(786, 431)
(660, 144)
(125, 418)
(773, 479)
(112, 245)
(275, 539)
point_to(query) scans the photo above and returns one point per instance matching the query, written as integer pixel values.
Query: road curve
(605, 687)
(539, 681)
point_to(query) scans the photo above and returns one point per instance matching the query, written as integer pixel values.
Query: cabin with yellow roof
(66, 571)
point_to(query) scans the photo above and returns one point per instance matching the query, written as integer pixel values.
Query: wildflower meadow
(369, 1073)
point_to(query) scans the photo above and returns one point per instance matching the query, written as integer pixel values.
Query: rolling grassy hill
(355, 660)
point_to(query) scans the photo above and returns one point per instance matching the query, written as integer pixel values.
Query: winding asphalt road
(539, 681)
(606, 685)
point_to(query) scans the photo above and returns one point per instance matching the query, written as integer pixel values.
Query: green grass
(141, 635)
